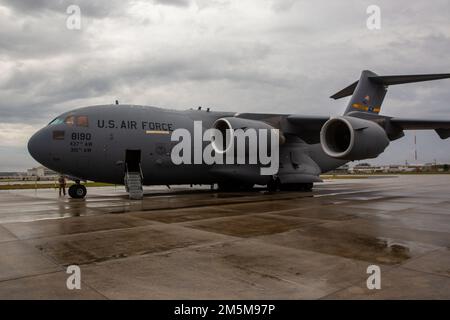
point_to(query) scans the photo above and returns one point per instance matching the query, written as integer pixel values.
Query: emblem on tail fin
(366, 100)
(365, 105)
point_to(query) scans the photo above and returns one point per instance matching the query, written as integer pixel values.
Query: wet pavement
(200, 244)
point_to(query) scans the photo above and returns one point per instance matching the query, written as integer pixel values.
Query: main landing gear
(306, 187)
(275, 185)
(235, 186)
(77, 190)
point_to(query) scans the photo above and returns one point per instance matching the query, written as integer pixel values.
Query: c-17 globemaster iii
(134, 145)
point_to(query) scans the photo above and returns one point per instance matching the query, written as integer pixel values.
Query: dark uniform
(62, 185)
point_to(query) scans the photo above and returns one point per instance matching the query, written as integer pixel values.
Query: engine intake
(351, 138)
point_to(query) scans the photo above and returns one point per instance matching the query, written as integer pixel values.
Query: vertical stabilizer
(369, 91)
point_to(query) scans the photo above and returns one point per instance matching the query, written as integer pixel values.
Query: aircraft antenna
(415, 147)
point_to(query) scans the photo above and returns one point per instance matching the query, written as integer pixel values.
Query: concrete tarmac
(201, 244)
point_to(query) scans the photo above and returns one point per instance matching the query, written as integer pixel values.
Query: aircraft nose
(37, 145)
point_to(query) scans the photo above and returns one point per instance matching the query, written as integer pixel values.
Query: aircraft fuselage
(91, 144)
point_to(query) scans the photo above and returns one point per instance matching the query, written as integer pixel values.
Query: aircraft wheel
(235, 186)
(225, 186)
(77, 191)
(273, 185)
(289, 187)
(306, 187)
(246, 186)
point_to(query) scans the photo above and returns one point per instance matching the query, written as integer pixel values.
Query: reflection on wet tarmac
(198, 243)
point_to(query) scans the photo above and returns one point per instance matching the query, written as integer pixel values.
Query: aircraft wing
(308, 122)
(306, 128)
(442, 127)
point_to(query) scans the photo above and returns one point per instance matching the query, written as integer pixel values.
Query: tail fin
(369, 91)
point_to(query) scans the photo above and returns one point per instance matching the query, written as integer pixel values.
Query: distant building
(395, 168)
(8, 175)
(41, 172)
(366, 168)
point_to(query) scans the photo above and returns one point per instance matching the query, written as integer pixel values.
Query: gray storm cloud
(281, 56)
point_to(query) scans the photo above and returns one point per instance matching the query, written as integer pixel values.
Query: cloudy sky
(281, 56)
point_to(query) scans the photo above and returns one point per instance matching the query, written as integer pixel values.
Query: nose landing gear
(77, 190)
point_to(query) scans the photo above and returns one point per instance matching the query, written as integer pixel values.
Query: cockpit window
(70, 120)
(82, 121)
(79, 121)
(56, 121)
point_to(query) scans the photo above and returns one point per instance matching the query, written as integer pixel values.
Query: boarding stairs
(133, 184)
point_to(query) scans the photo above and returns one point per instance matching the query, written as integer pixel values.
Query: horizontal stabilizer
(345, 92)
(393, 80)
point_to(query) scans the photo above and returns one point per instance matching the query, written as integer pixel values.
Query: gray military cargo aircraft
(131, 145)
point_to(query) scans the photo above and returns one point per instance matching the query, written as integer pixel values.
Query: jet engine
(228, 126)
(351, 138)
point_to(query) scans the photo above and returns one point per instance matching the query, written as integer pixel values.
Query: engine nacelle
(350, 138)
(228, 126)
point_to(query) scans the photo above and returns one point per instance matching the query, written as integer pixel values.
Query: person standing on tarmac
(62, 185)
